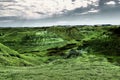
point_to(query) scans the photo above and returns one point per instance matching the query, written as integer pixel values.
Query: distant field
(60, 53)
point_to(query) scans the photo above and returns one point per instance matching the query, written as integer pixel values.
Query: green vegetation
(81, 68)
(60, 53)
(11, 57)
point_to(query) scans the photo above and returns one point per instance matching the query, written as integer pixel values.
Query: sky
(36, 13)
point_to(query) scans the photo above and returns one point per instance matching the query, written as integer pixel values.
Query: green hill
(10, 57)
(35, 44)
(60, 53)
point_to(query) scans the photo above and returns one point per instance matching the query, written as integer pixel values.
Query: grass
(11, 57)
(42, 53)
(81, 68)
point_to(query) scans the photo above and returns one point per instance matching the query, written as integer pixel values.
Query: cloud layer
(40, 9)
(33, 9)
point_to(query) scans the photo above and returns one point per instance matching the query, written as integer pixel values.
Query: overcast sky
(23, 13)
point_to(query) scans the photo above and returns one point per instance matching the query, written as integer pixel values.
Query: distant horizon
(61, 26)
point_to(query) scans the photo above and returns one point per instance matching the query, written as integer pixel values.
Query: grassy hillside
(11, 57)
(81, 68)
(60, 53)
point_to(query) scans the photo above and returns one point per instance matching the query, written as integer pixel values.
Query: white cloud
(93, 11)
(118, 1)
(35, 9)
(90, 11)
(111, 3)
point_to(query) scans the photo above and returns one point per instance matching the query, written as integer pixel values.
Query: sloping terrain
(60, 53)
(81, 68)
(11, 57)
(38, 45)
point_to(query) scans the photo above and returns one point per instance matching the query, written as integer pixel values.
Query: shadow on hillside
(108, 46)
(60, 51)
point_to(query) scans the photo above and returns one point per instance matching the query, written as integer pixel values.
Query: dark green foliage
(72, 53)
(115, 31)
(103, 46)
(60, 50)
